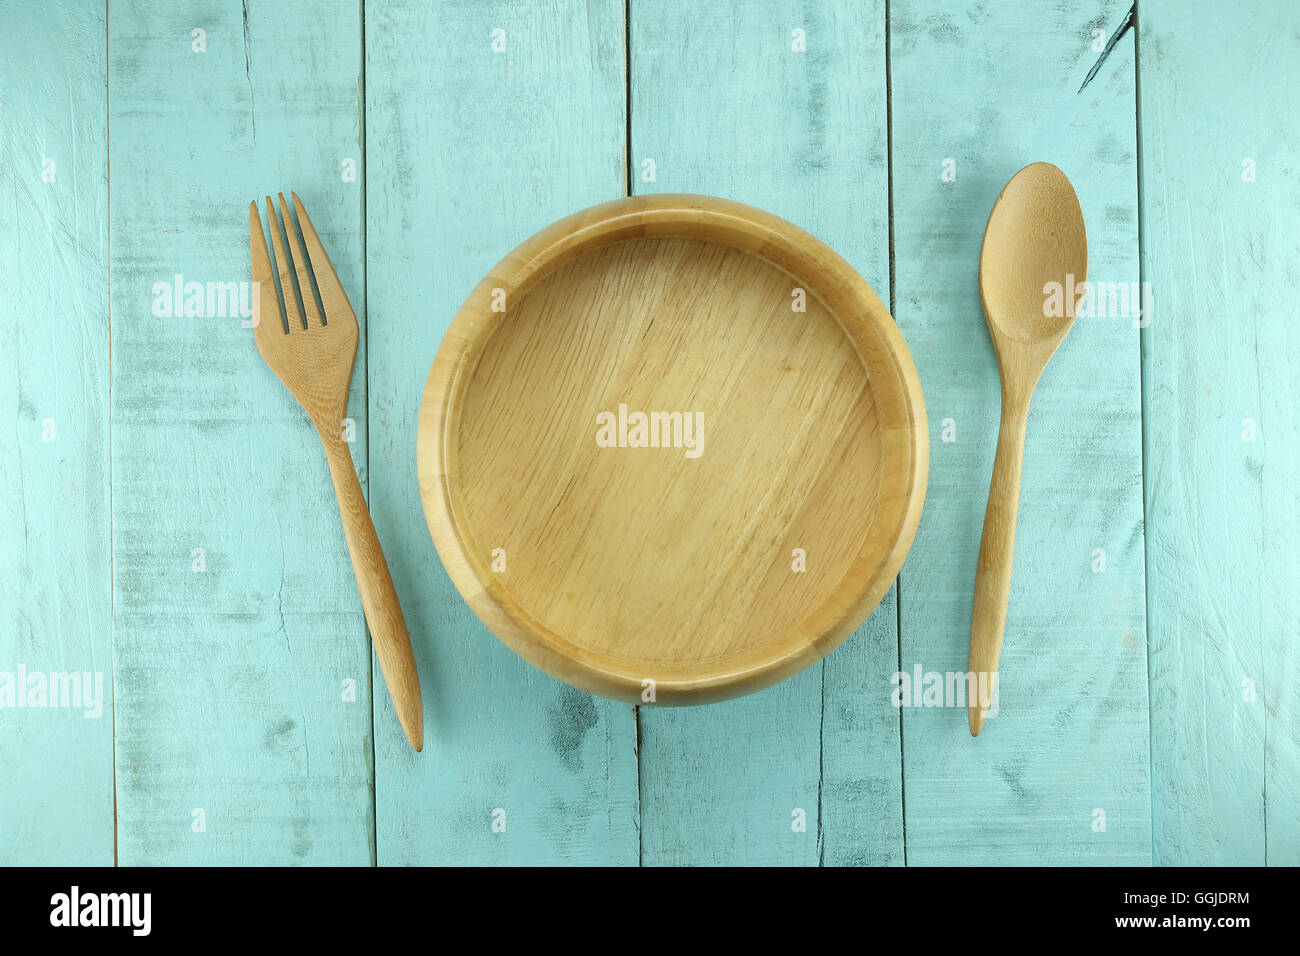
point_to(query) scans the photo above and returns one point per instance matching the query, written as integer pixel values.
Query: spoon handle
(997, 547)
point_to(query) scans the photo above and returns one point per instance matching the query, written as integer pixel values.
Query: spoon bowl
(1035, 237)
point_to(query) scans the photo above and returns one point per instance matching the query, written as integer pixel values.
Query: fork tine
(261, 261)
(284, 268)
(333, 299)
(300, 263)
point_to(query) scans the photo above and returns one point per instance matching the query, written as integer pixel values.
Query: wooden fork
(314, 360)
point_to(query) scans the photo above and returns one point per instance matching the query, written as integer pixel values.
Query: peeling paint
(248, 75)
(1123, 28)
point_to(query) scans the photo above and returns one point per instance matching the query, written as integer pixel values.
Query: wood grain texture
(991, 87)
(230, 680)
(470, 150)
(661, 564)
(723, 103)
(56, 789)
(1220, 189)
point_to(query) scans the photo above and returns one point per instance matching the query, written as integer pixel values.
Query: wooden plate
(739, 531)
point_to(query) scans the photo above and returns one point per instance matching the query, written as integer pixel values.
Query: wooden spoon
(1034, 237)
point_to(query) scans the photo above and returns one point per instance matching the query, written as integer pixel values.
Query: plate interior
(735, 519)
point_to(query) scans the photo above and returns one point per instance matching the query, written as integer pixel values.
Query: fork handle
(378, 598)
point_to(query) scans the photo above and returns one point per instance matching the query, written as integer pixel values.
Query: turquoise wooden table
(168, 533)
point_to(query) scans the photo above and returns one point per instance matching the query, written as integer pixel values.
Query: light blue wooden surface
(56, 786)
(991, 89)
(1220, 245)
(227, 624)
(781, 105)
(470, 150)
(235, 738)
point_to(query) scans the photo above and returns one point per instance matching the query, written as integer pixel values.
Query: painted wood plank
(982, 89)
(476, 139)
(1220, 248)
(781, 105)
(56, 792)
(862, 776)
(237, 621)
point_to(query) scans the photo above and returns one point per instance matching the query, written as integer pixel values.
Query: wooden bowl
(742, 528)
